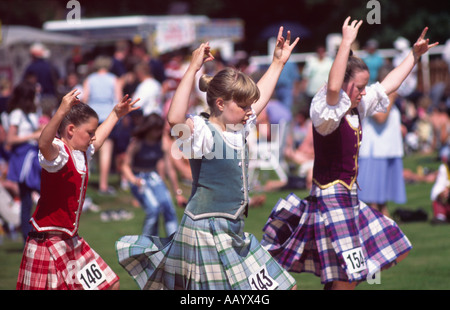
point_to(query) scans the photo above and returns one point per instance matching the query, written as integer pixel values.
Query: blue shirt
(102, 93)
(46, 75)
(374, 62)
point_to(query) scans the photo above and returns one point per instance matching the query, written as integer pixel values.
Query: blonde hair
(229, 84)
(102, 62)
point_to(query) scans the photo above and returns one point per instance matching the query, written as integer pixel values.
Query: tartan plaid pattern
(206, 254)
(311, 235)
(51, 264)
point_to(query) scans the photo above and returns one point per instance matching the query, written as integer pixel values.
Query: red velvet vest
(62, 197)
(336, 155)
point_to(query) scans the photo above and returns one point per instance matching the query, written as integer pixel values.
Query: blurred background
(69, 36)
(165, 26)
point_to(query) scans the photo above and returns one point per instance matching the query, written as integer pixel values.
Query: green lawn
(426, 268)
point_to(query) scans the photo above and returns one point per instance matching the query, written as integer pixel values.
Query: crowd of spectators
(104, 77)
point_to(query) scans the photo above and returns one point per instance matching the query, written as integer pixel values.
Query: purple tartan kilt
(314, 235)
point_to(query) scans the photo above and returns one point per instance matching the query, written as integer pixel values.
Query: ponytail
(354, 64)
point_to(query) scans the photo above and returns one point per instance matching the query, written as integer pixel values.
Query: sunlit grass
(426, 267)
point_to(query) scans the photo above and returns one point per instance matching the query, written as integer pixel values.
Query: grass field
(426, 268)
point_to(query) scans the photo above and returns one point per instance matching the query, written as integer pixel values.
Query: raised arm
(382, 117)
(180, 101)
(267, 83)
(125, 106)
(395, 78)
(337, 71)
(46, 146)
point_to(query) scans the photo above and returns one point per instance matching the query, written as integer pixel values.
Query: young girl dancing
(210, 250)
(55, 256)
(331, 233)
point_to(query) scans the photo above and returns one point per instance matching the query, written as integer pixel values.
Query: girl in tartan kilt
(210, 249)
(331, 233)
(55, 257)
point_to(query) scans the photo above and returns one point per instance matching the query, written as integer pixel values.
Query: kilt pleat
(205, 254)
(52, 264)
(312, 235)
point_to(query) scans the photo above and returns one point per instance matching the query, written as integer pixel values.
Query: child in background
(440, 193)
(55, 256)
(23, 131)
(210, 250)
(145, 164)
(331, 233)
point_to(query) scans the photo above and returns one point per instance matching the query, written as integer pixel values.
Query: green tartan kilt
(207, 254)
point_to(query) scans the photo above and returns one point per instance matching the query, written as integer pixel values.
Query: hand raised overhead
(69, 100)
(283, 48)
(350, 30)
(125, 106)
(201, 55)
(422, 45)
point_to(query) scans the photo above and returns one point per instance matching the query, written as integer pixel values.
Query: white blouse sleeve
(375, 100)
(250, 124)
(201, 140)
(90, 152)
(60, 160)
(325, 117)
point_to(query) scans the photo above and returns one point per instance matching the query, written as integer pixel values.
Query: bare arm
(46, 146)
(180, 102)
(86, 91)
(395, 78)
(269, 80)
(125, 106)
(337, 71)
(381, 117)
(118, 89)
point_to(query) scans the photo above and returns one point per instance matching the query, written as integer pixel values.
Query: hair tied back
(204, 82)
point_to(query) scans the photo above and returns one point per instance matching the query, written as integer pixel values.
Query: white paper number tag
(261, 280)
(355, 260)
(91, 276)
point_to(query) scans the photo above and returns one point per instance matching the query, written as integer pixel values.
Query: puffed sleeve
(60, 160)
(375, 100)
(90, 152)
(325, 117)
(201, 141)
(251, 123)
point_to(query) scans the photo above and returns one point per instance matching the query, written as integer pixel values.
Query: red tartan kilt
(52, 264)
